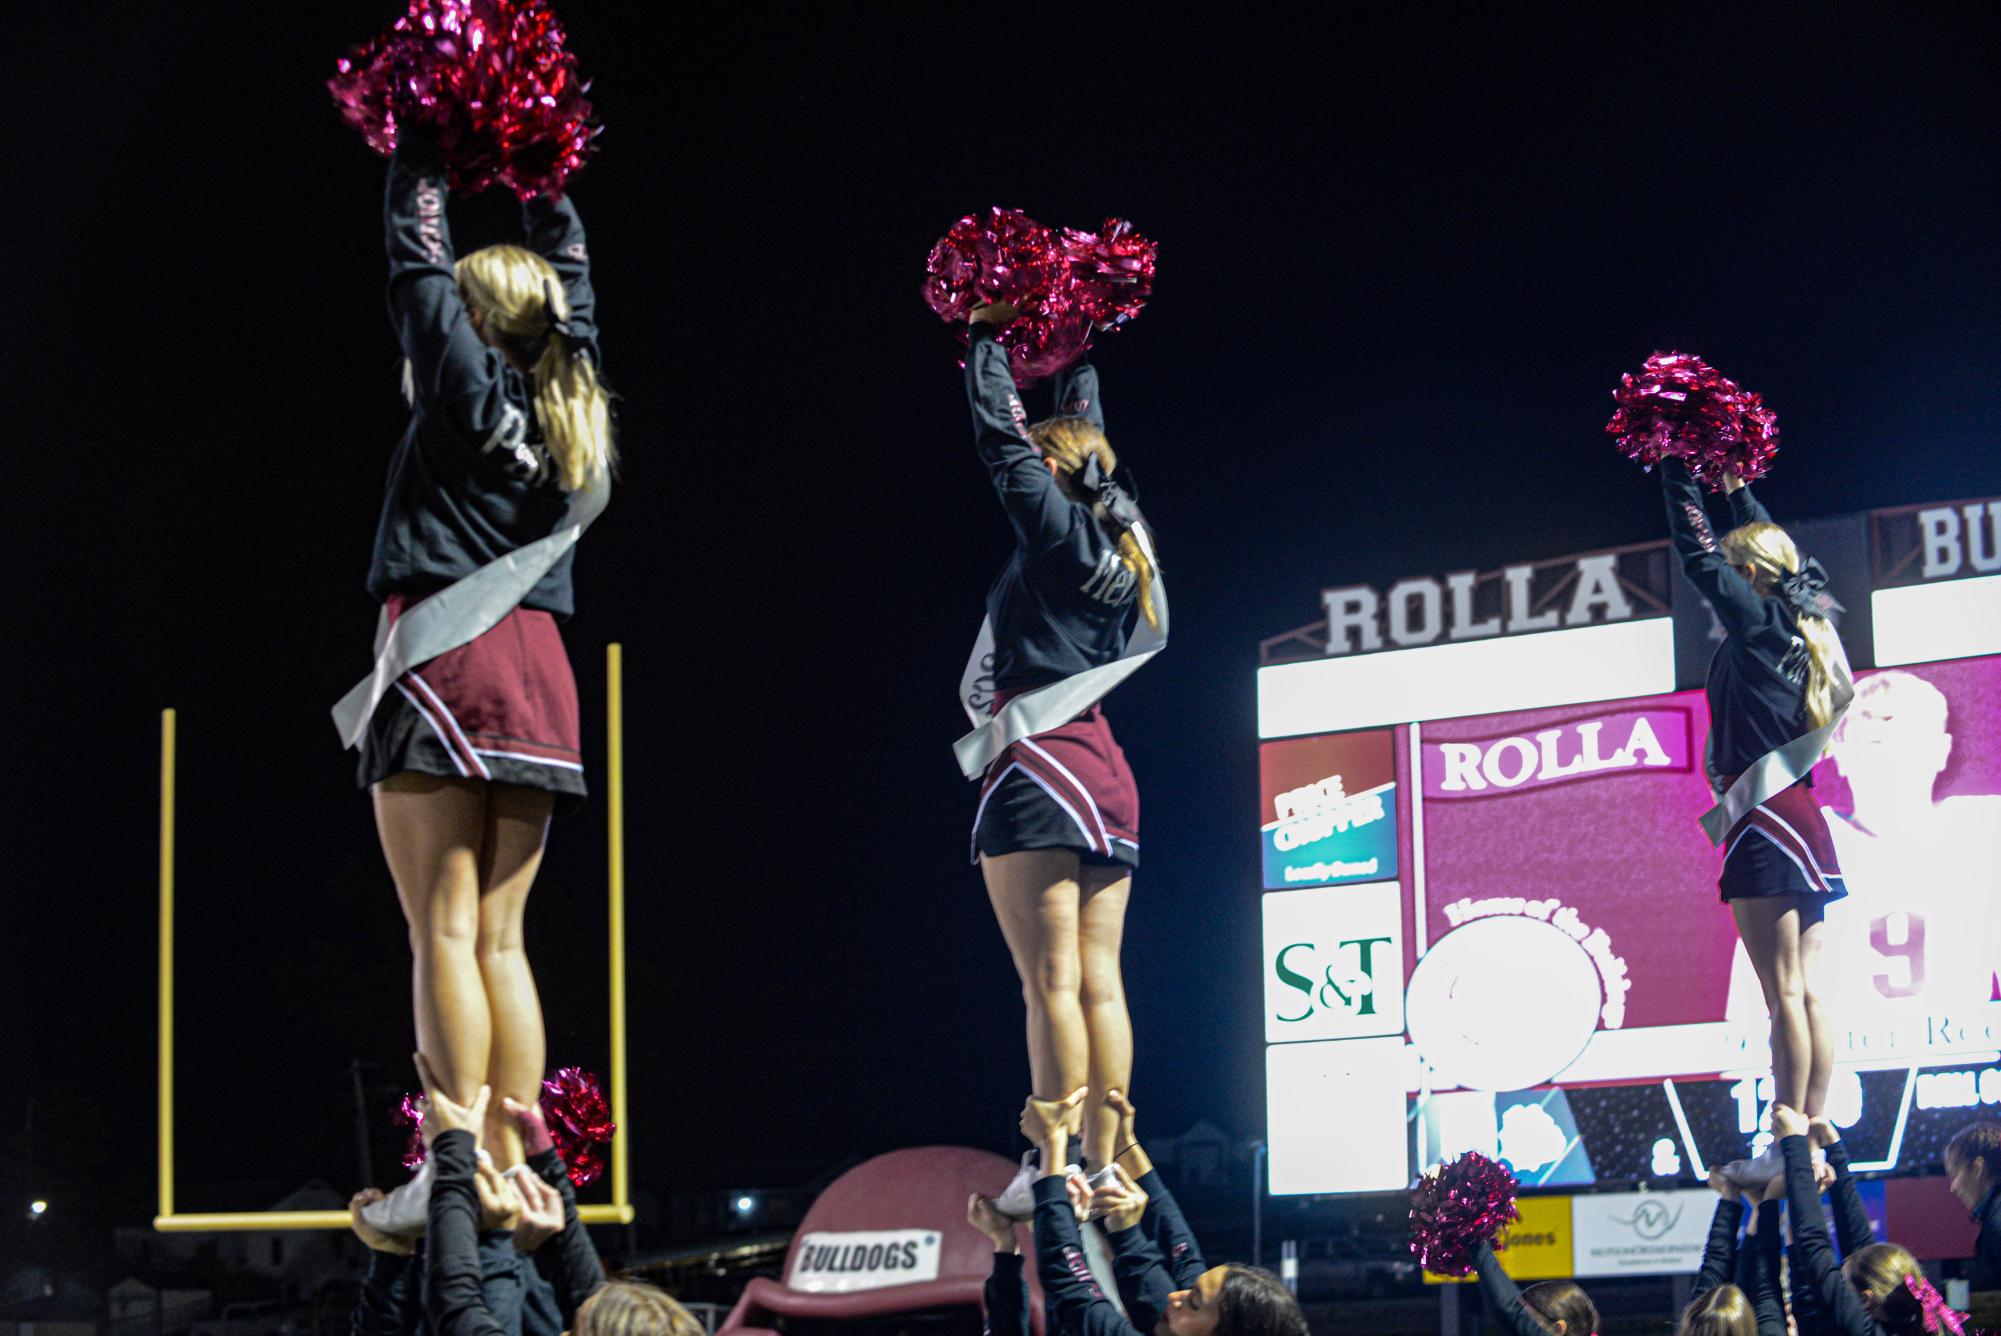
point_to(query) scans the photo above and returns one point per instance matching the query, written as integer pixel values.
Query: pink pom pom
(1062, 283)
(493, 80)
(410, 1114)
(1111, 271)
(579, 1118)
(1456, 1209)
(1679, 406)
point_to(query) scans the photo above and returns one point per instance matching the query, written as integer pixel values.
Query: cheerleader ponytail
(1771, 554)
(520, 297)
(1085, 462)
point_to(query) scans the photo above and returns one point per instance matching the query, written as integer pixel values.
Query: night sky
(1400, 271)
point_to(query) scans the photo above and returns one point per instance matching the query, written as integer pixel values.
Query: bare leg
(517, 822)
(1820, 1029)
(1101, 931)
(1770, 927)
(1035, 896)
(432, 830)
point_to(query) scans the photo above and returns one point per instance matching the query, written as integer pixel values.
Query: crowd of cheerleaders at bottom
(507, 1255)
(1866, 1288)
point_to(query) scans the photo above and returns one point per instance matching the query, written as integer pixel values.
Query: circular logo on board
(1502, 1003)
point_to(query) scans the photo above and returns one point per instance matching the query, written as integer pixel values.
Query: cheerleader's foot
(1758, 1170)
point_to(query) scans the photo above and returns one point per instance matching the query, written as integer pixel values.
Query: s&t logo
(1346, 981)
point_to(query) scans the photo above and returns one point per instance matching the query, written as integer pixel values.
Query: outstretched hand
(983, 1215)
(1724, 1187)
(499, 1203)
(1788, 1121)
(369, 1234)
(541, 1212)
(993, 313)
(1121, 1202)
(535, 1137)
(445, 1114)
(1042, 1119)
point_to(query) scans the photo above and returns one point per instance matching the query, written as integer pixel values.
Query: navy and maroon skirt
(1068, 788)
(502, 708)
(1782, 847)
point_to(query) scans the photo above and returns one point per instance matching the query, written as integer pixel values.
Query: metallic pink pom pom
(1456, 1209)
(492, 78)
(1064, 283)
(1111, 271)
(579, 1118)
(410, 1114)
(1679, 406)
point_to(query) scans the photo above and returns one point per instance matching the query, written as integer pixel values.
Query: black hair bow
(1120, 508)
(1806, 590)
(563, 329)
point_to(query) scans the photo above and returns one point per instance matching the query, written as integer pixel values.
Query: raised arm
(1006, 1292)
(1041, 515)
(1852, 1229)
(1758, 1271)
(1813, 1259)
(564, 1255)
(1739, 606)
(1074, 1304)
(456, 376)
(1162, 1222)
(453, 1299)
(1719, 1254)
(1504, 1296)
(556, 234)
(1077, 393)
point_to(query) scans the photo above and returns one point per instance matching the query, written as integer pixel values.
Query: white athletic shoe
(1758, 1170)
(406, 1211)
(1017, 1200)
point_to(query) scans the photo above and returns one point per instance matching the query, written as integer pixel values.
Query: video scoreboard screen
(1498, 929)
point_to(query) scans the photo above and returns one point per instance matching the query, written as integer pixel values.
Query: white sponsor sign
(1641, 1233)
(828, 1263)
(1334, 962)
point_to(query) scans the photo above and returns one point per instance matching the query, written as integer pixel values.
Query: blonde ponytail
(1772, 555)
(514, 289)
(1068, 442)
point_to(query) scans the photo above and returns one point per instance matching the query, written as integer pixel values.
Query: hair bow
(1120, 508)
(1939, 1315)
(1806, 590)
(563, 329)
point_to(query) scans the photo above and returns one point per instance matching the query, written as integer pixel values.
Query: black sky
(1400, 270)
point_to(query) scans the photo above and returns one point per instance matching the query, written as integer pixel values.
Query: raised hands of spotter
(445, 1114)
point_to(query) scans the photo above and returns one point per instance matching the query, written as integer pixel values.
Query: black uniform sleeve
(1738, 606)
(1143, 1279)
(1168, 1228)
(1758, 1273)
(457, 377)
(1504, 1296)
(1746, 509)
(1077, 394)
(1814, 1265)
(569, 1262)
(1852, 1229)
(556, 234)
(1006, 1297)
(1719, 1254)
(387, 1306)
(453, 1299)
(1071, 1297)
(1041, 515)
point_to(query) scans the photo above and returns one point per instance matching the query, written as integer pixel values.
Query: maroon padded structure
(923, 1188)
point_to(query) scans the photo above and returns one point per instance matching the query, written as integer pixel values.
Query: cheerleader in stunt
(468, 728)
(1776, 687)
(1056, 830)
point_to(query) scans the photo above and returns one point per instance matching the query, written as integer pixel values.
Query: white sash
(462, 611)
(1779, 769)
(1050, 706)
